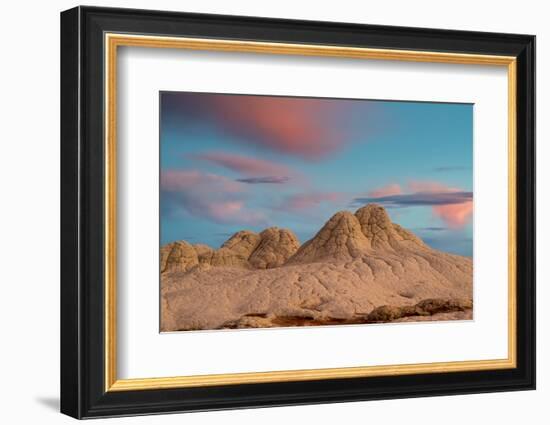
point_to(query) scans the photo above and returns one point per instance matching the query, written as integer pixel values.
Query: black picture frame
(83, 392)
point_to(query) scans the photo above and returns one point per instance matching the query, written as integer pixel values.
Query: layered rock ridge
(358, 266)
(245, 249)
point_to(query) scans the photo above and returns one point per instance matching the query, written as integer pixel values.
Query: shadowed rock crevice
(431, 308)
(428, 307)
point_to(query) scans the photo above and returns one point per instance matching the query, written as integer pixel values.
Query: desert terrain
(359, 268)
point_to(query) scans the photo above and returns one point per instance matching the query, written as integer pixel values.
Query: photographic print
(302, 189)
(283, 211)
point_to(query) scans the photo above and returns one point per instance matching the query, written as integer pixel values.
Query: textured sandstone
(427, 307)
(357, 265)
(235, 251)
(177, 257)
(243, 243)
(382, 233)
(245, 249)
(228, 258)
(275, 248)
(340, 239)
(404, 235)
(375, 225)
(204, 252)
(427, 310)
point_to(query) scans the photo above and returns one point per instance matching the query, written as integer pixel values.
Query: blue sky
(233, 162)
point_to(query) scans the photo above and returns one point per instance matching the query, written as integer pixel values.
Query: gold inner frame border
(111, 43)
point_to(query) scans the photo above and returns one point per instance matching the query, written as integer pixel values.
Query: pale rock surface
(355, 264)
(340, 239)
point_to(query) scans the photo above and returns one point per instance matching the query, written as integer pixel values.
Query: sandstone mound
(275, 248)
(242, 243)
(340, 238)
(245, 249)
(204, 252)
(178, 256)
(382, 233)
(235, 251)
(359, 268)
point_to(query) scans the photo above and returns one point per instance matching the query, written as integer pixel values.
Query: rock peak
(376, 224)
(178, 256)
(346, 235)
(373, 214)
(382, 233)
(340, 238)
(275, 248)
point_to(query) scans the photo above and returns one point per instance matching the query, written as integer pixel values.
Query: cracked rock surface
(359, 268)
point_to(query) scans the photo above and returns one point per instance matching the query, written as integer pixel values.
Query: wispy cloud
(182, 180)
(264, 180)
(206, 196)
(452, 205)
(244, 165)
(455, 215)
(452, 168)
(419, 199)
(429, 186)
(389, 190)
(309, 128)
(302, 201)
(432, 229)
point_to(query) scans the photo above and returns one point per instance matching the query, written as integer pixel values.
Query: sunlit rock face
(359, 268)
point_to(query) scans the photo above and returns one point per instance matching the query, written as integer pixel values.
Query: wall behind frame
(29, 219)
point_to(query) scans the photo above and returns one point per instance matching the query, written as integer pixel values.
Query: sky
(233, 162)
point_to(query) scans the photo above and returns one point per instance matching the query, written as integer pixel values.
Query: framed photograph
(261, 212)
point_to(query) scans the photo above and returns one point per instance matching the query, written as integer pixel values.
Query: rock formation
(178, 256)
(245, 249)
(276, 246)
(340, 239)
(359, 268)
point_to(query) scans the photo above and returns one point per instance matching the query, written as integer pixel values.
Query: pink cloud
(223, 209)
(181, 180)
(208, 196)
(301, 127)
(308, 200)
(245, 165)
(230, 212)
(430, 187)
(391, 189)
(455, 215)
(452, 205)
